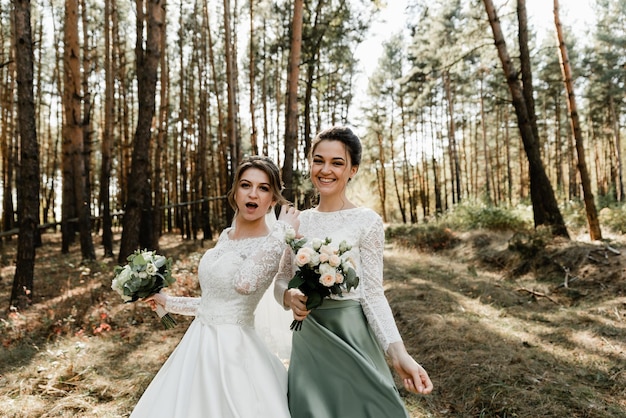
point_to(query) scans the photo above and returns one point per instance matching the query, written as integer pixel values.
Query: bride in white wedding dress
(221, 368)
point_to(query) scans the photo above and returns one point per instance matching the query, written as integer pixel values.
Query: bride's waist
(225, 317)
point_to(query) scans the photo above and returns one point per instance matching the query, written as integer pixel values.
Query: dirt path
(502, 347)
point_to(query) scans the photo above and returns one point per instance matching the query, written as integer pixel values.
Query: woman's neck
(249, 229)
(329, 204)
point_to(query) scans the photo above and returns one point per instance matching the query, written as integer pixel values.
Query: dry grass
(497, 343)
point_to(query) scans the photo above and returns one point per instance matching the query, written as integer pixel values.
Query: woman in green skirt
(338, 367)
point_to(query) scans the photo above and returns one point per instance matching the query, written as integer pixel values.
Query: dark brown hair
(344, 135)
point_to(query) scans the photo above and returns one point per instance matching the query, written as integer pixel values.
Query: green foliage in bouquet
(145, 274)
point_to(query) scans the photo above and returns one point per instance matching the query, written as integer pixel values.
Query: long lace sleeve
(375, 304)
(182, 305)
(284, 275)
(260, 267)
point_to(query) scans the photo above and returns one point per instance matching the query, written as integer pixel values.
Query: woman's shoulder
(371, 213)
(224, 235)
(359, 214)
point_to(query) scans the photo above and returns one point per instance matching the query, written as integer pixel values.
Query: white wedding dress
(222, 368)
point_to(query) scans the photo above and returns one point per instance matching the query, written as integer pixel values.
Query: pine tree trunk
(291, 114)
(160, 151)
(28, 192)
(106, 148)
(545, 208)
(73, 129)
(232, 131)
(137, 226)
(455, 177)
(7, 130)
(222, 139)
(592, 214)
(381, 176)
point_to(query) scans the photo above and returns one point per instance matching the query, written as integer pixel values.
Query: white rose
(151, 269)
(327, 279)
(159, 261)
(118, 286)
(325, 268)
(315, 259)
(123, 276)
(327, 249)
(147, 256)
(303, 256)
(324, 258)
(290, 235)
(343, 246)
(334, 260)
(316, 243)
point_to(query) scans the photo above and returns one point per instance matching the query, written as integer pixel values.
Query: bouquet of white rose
(145, 274)
(323, 270)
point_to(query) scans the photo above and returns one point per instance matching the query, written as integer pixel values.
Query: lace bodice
(233, 276)
(363, 229)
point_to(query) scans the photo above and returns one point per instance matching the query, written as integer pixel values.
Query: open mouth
(252, 205)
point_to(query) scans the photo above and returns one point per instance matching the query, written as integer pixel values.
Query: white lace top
(233, 276)
(363, 229)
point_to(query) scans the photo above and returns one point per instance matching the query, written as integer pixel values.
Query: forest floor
(501, 334)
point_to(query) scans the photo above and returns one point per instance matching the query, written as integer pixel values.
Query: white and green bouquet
(323, 269)
(145, 274)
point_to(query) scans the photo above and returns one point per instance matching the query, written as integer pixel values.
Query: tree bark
(291, 115)
(73, 130)
(525, 67)
(7, 145)
(381, 175)
(69, 209)
(592, 214)
(106, 148)
(253, 129)
(545, 208)
(28, 192)
(222, 140)
(160, 152)
(137, 226)
(232, 130)
(455, 177)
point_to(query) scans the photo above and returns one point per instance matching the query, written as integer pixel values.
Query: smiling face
(331, 168)
(254, 195)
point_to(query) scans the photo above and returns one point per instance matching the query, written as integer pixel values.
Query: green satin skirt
(337, 368)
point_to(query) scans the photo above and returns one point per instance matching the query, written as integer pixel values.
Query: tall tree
(232, 128)
(252, 52)
(291, 115)
(604, 61)
(160, 152)
(137, 228)
(28, 192)
(70, 91)
(592, 214)
(7, 125)
(545, 208)
(73, 131)
(106, 144)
